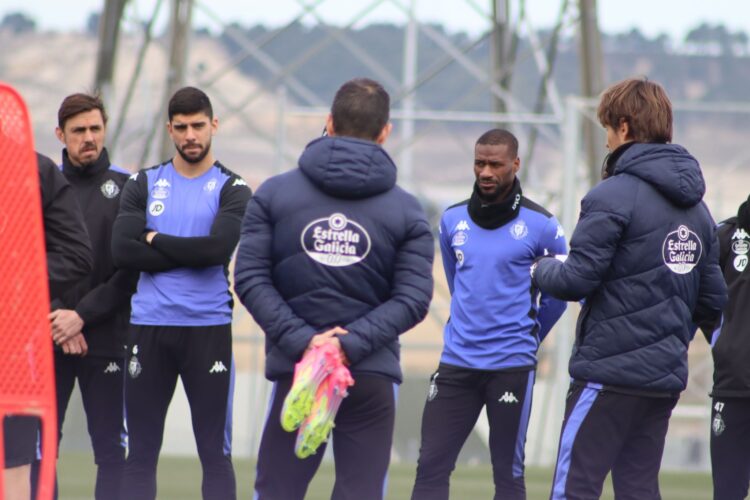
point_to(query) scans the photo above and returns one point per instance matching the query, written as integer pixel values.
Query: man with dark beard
(496, 323)
(178, 225)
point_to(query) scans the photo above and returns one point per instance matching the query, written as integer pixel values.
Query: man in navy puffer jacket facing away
(644, 256)
(334, 251)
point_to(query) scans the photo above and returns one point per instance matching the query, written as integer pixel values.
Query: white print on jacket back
(682, 250)
(335, 241)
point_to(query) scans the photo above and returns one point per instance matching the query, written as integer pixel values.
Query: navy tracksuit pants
(607, 431)
(454, 401)
(730, 447)
(202, 358)
(361, 442)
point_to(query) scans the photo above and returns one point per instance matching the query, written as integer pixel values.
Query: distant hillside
(257, 139)
(701, 68)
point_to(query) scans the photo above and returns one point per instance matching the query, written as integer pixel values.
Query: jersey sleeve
(712, 293)
(446, 252)
(216, 248)
(592, 248)
(68, 248)
(552, 242)
(129, 251)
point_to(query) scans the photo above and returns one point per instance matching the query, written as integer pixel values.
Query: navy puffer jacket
(644, 256)
(335, 243)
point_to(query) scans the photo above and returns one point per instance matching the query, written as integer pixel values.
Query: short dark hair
(643, 104)
(79, 103)
(498, 136)
(188, 101)
(361, 108)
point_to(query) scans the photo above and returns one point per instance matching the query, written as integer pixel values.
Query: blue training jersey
(494, 323)
(185, 207)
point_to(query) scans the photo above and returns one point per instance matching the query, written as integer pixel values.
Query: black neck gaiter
(493, 215)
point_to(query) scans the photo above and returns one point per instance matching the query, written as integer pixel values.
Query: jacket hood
(345, 167)
(669, 168)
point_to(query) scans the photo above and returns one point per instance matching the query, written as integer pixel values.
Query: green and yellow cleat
(316, 428)
(309, 373)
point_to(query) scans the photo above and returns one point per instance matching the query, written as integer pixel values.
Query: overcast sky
(674, 17)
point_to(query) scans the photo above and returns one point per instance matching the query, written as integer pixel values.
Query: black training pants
(202, 357)
(730, 447)
(454, 401)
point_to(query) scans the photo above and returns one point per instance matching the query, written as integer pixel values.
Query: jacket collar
(100, 165)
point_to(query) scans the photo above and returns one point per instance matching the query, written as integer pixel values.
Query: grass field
(179, 479)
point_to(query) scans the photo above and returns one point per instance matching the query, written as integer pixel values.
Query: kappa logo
(112, 367)
(335, 241)
(134, 177)
(462, 226)
(682, 250)
(218, 367)
(239, 182)
(508, 398)
(110, 189)
(560, 232)
(740, 234)
(160, 190)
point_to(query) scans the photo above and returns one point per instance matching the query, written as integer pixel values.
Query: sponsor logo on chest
(740, 247)
(335, 241)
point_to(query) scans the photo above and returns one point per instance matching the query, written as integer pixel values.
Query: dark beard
(197, 159)
(489, 198)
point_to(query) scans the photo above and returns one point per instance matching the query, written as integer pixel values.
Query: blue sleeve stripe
(395, 404)
(717, 332)
(230, 407)
(572, 425)
(523, 426)
(274, 388)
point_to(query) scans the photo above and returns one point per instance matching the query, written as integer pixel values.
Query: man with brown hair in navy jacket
(644, 256)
